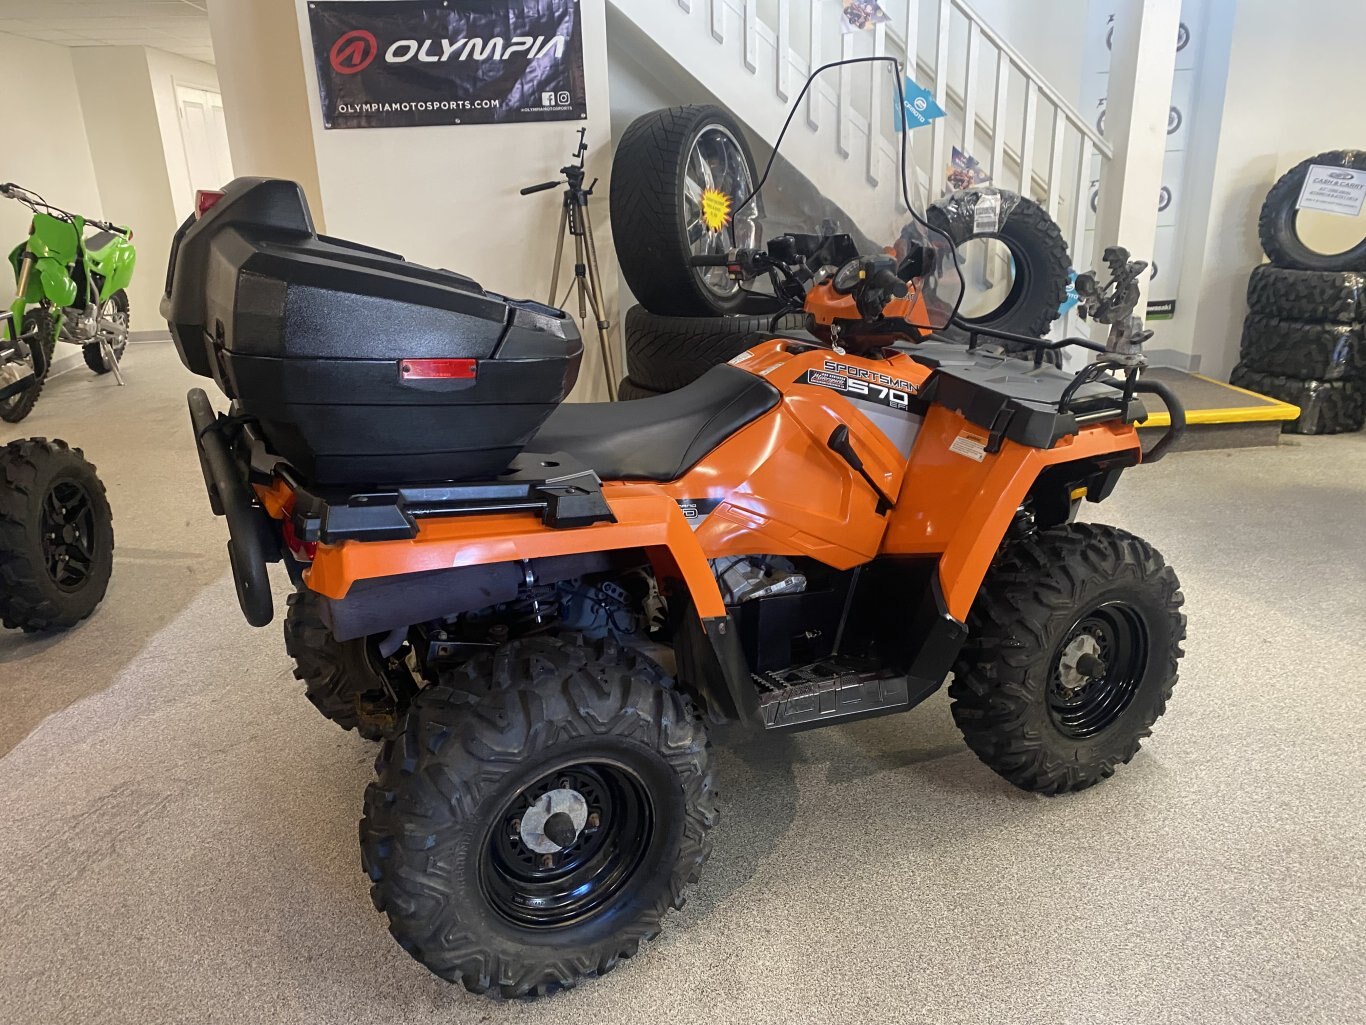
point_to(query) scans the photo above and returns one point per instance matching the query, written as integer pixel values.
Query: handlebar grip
(539, 188)
(887, 279)
(709, 260)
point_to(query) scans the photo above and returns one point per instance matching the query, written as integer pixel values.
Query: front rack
(1101, 371)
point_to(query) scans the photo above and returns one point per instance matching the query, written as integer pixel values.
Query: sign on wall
(393, 63)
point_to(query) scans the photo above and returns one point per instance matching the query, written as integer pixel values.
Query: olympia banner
(393, 63)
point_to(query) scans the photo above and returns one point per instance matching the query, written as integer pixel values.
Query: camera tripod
(576, 221)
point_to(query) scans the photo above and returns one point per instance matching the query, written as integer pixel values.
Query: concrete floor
(179, 842)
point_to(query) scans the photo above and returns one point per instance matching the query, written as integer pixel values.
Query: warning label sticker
(974, 446)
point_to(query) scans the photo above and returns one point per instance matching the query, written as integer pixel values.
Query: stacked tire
(1304, 339)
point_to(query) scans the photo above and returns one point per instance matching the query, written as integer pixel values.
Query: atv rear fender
(646, 519)
(648, 522)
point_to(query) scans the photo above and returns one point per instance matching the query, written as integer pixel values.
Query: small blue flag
(917, 109)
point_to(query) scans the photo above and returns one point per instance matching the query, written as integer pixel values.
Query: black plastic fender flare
(230, 497)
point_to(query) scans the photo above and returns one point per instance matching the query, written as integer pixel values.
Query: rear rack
(233, 456)
(1101, 371)
(565, 492)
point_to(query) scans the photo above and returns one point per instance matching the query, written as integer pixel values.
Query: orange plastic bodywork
(777, 489)
(960, 508)
(828, 306)
(646, 518)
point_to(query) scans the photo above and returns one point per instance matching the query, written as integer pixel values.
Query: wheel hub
(717, 165)
(68, 529)
(1098, 669)
(554, 822)
(566, 846)
(1080, 662)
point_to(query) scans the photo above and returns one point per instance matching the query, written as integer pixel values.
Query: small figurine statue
(1114, 303)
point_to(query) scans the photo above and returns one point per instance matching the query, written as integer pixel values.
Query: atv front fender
(978, 538)
(965, 495)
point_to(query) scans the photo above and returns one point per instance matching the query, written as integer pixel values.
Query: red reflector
(439, 369)
(304, 551)
(205, 200)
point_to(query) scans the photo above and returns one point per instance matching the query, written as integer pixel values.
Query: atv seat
(662, 438)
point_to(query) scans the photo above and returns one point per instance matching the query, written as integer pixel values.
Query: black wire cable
(905, 188)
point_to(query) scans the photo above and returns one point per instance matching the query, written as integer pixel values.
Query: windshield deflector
(806, 187)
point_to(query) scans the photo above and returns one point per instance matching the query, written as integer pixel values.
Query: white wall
(1294, 89)
(260, 63)
(130, 164)
(1049, 34)
(46, 148)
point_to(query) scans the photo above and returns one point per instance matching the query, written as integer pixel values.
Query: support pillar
(1142, 62)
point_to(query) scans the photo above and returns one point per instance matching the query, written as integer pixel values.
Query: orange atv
(541, 607)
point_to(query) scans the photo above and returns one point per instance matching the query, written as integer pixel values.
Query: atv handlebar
(709, 260)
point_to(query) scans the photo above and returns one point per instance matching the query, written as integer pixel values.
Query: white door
(205, 136)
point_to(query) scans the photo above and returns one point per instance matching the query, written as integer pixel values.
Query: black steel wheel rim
(1120, 636)
(67, 522)
(584, 879)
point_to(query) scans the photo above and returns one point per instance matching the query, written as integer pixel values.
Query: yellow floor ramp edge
(1218, 415)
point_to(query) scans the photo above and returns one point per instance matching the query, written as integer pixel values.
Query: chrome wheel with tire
(716, 179)
(678, 178)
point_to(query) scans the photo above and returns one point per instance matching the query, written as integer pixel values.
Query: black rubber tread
(94, 358)
(1039, 249)
(666, 353)
(29, 599)
(1276, 225)
(646, 208)
(628, 390)
(1337, 297)
(337, 675)
(1033, 595)
(1303, 350)
(461, 756)
(1326, 407)
(16, 407)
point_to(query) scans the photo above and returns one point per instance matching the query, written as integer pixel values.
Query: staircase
(999, 108)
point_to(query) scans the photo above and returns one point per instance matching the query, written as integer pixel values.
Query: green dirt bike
(69, 287)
